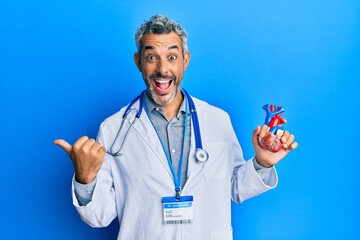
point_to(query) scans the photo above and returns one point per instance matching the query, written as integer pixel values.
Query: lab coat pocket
(217, 166)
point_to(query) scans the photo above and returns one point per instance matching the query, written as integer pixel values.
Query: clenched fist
(87, 156)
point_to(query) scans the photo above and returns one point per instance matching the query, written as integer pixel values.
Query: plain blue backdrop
(67, 65)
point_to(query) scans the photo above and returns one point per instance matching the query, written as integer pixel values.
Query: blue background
(67, 65)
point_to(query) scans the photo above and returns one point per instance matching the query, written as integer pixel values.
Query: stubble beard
(165, 102)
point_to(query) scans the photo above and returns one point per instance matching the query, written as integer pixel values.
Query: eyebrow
(173, 47)
(151, 47)
(148, 48)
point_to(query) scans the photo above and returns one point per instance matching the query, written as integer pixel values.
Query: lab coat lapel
(150, 137)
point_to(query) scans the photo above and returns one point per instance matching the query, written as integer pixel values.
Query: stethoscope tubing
(194, 116)
(201, 155)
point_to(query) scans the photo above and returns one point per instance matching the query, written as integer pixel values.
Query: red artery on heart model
(271, 141)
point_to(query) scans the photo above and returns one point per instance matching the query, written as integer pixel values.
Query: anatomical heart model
(273, 120)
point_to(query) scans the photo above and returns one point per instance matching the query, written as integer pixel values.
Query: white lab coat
(131, 187)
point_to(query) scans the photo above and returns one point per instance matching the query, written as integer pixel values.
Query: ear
(137, 59)
(186, 59)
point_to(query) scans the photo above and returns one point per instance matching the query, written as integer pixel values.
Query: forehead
(161, 40)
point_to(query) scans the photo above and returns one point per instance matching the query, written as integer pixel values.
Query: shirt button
(173, 151)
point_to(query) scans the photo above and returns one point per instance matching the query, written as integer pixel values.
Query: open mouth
(162, 84)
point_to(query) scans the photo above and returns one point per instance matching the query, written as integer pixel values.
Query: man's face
(162, 65)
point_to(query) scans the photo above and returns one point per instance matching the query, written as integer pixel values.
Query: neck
(170, 110)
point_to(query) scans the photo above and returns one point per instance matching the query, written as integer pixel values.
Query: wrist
(84, 180)
(262, 163)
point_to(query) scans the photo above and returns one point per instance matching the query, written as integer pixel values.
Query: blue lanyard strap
(177, 177)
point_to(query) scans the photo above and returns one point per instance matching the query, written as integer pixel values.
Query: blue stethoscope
(201, 155)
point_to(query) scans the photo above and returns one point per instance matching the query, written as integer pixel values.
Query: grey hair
(159, 24)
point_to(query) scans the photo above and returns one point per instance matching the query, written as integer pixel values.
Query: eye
(151, 58)
(172, 57)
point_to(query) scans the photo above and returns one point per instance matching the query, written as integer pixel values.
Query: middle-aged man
(146, 167)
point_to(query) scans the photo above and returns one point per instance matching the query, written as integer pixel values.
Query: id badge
(178, 211)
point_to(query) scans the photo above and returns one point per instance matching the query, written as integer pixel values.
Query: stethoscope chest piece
(201, 155)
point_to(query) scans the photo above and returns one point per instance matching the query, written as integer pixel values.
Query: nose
(162, 67)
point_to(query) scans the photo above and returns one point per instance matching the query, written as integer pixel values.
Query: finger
(285, 137)
(64, 145)
(96, 146)
(88, 144)
(255, 135)
(279, 133)
(80, 142)
(102, 150)
(289, 141)
(293, 146)
(263, 131)
(283, 120)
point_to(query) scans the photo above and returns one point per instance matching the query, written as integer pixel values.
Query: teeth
(162, 81)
